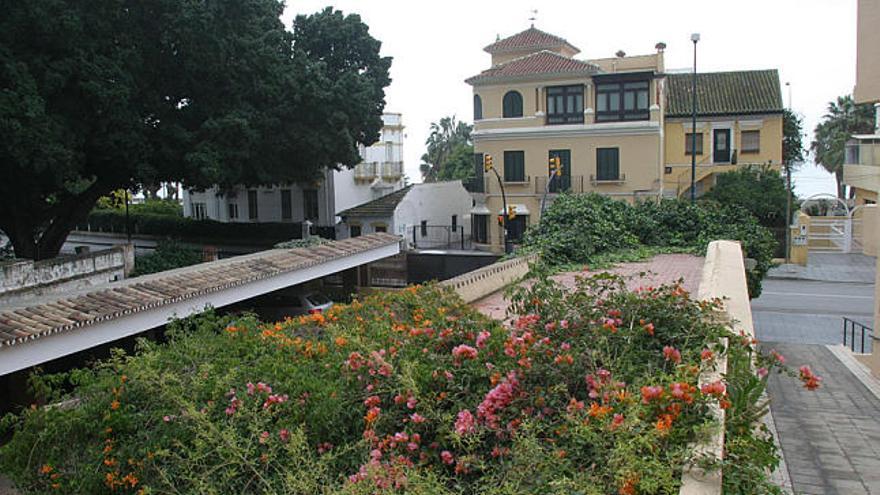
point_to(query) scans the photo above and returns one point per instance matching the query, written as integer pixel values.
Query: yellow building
(739, 122)
(861, 169)
(602, 118)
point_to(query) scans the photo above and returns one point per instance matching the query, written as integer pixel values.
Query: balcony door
(721, 146)
(563, 182)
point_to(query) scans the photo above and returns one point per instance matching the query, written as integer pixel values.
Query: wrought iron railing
(853, 329)
(560, 184)
(439, 237)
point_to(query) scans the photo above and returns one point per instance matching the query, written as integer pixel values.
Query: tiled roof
(380, 207)
(531, 38)
(67, 313)
(725, 93)
(544, 62)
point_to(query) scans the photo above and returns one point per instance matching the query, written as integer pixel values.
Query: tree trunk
(841, 187)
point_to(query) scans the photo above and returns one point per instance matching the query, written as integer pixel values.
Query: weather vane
(534, 16)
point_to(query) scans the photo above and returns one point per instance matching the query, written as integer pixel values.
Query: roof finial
(534, 16)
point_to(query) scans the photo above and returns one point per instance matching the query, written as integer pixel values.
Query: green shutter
(607, 164)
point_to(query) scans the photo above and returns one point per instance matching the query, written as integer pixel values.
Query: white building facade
(380, 173)
(434, 214)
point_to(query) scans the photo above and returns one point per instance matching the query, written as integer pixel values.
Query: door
(721, 146)
(562, 182)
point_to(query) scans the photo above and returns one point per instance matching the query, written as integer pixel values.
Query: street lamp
(695, 38)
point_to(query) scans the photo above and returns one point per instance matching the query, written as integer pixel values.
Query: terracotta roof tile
(135, 295)
(544, 62)
(531, 38)
(725, 93)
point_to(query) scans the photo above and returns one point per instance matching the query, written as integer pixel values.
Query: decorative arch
(512, 105)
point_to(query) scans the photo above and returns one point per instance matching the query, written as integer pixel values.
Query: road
(810, 312)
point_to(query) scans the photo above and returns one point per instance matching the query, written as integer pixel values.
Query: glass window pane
(551, 105)
(643, 100)
(579, 102)
(602, 102)
(629, 101)
(613, 102)
(636, 85)
(569, 106)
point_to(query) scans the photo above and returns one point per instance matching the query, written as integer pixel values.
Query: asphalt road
(810, 312)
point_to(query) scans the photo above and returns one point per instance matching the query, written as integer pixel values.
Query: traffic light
(511, 212)
(555, 166)
(501, 220)
(487, 162)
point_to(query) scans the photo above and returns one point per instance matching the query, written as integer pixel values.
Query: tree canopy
(760, 190)
(843, 119)
(109, 95)
(792, 138)
(448, 142)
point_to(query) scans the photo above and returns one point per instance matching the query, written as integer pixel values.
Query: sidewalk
(830, 267)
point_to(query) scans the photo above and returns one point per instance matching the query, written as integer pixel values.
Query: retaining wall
(481, 282)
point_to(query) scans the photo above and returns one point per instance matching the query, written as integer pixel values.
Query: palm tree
(843, 119)
(445, 136)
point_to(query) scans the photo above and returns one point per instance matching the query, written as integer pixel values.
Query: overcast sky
(436, 45)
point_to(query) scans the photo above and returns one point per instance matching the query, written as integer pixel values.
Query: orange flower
(597, 411)
(46, 469)
(130, 479)
(340, 341)
(664, 423)
(114, 405)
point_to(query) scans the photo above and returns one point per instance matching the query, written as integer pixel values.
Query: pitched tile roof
(531, 38)
(540, 63)
(380, 207)
(725, 93)
(70, 312)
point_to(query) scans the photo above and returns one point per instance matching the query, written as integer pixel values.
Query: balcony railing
(365, 171)
(392, 170)
(620, 179)
(863, 152)
(560, 184)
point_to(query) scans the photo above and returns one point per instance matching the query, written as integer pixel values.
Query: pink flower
(617, 421)
(264, 437)
(447, 457)
(563, 323)
(250, 388)
(715, 388)
(497, 399)
(651, 393)
(671, 354)
(706, 354)
(464, 351)
(417, 418)
(284, 435)
(482, 338)
(411, 402)
(761, 372)
(166, 418)
(779, 357)
(550, 326)
(464, 422)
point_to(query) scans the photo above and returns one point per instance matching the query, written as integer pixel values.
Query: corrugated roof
(725, 93)
(380, 207)
(544, 62)
(531, 38)
(144, 293)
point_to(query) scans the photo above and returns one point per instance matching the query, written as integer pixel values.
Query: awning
(480, 210)
(519, 208)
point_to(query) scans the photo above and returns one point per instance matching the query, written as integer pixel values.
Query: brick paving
(830, 437)
(661, 269)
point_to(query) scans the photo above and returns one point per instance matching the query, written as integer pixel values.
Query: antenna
(534, 16)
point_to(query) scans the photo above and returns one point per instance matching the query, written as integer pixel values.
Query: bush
(757, 189)
(167, 256)
(168, 207)
(585, 228)
(267, 233)
(590, 391)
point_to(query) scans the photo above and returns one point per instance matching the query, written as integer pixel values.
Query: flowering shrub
(589, 391)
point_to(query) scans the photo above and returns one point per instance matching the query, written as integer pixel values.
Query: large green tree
(449, 137)
(98, 96)
(760, 190)
(793, 149)
(843, 119)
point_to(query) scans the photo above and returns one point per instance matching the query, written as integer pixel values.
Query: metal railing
(853, 328)
(439, 237)
(621, 178)
(366, 170)
(562, 183)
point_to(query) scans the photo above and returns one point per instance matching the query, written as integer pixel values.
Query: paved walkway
(830, 267)
(830, 437)
(661, 269)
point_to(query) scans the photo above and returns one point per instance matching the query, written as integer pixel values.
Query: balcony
(620, 179)
(392, 170)
(365, 171)
(861, 167)
(560, 184)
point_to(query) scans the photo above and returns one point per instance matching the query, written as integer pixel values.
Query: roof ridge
(498, 45)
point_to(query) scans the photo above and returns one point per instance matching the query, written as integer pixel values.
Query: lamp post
(695, 38)
(788, 193)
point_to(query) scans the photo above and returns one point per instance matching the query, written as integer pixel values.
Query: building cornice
(648, 127)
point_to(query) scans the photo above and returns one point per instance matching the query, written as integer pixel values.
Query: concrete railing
(23, 279)
(724, 277)
(484, 281)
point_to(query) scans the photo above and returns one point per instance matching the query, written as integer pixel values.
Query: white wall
(434, 202)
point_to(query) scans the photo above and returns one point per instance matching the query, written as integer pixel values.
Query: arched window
(512, 105)
(478, 107)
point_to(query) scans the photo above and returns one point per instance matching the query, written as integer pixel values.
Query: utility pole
(695, 38)
(787, 190)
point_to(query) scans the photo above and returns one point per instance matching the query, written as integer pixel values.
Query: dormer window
(512, 105)
(622, 98)
(565, 104)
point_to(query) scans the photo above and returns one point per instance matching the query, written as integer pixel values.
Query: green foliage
(99, 97)
(184, 228)
(793, 149)
(758, 189)
(368, 397)
(446, 145)
(587, 227)
(168, 255)
(843, 119)
(301, 243)
(166, 207)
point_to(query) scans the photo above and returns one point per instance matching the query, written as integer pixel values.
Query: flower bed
(591, 391)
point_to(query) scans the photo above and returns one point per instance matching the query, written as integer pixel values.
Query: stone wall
(481, 282)
(27, 279)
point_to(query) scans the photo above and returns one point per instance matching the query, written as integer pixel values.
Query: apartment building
(380, 173)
